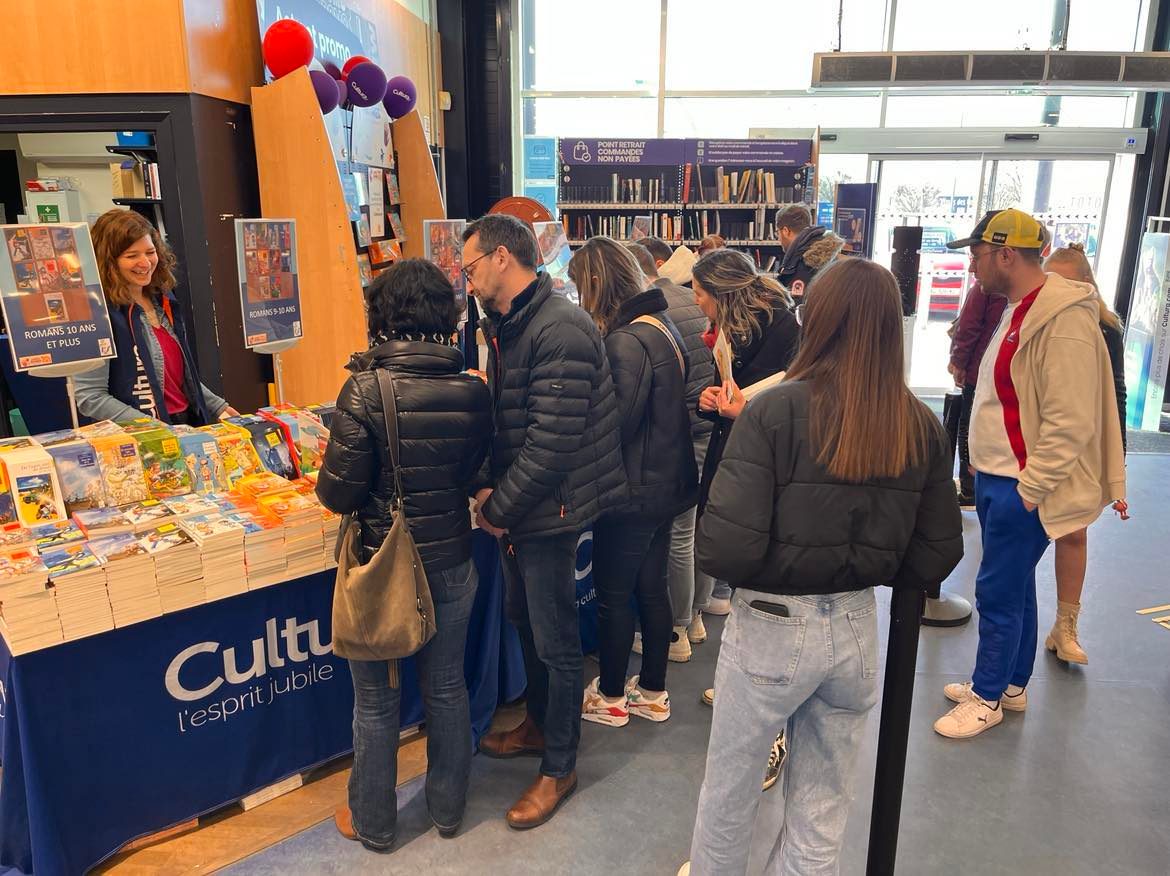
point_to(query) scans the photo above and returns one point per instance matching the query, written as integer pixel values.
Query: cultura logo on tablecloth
(280, 662)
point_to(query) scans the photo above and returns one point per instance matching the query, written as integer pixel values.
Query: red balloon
(351, 63)
(287, 45)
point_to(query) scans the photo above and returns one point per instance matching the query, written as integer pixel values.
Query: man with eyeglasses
(555, 467)
(1045, 442)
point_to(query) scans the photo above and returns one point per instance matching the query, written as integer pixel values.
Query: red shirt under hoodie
(997, 442)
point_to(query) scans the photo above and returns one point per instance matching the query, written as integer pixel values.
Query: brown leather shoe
(526, 739)
(540, 802)
(343, 820)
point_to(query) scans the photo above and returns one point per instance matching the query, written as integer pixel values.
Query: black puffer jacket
(778, 522)
(813, 248)
(764, 355)
(691, 323)
(650, 385)
(556, 461)
(444, 431)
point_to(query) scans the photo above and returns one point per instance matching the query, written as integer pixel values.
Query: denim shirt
(92, 388)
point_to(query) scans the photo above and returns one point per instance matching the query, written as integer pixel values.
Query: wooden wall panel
(421, 198)
(223, 48)
(299, 180)
(93, 46)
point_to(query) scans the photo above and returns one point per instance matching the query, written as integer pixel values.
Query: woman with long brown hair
(833, 482)
(1072, 550)
(154, 373)
(631, 545)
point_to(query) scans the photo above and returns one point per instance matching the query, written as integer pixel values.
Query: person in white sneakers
(1046, 448)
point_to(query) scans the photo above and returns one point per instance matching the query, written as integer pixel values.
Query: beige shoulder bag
(382, 610)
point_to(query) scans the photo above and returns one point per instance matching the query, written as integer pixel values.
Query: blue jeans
(690, 588)
(816, 672)
(541, 602)
(1014, 540)
(372, 798)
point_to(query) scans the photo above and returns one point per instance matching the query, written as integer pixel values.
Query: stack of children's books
(130, 578)
(301, 515)
(83, 604)
(177, 566)
(162, 458)
(221, 545)
(28, 606)
(263, 548)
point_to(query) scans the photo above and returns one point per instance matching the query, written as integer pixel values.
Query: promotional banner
(1147, 335)
(578, 150)
(51, 294)
(789, 152)
(540, 171)
(270, 295)
(853, 217)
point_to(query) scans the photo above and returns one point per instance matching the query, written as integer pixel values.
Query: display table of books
(166, 648)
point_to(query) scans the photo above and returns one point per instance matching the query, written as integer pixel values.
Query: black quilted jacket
(444, 430)
(777, 521)
(556, 461)
(650, 385)
(691, 322)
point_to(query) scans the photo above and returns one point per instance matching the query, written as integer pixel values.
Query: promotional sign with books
(51, 295)
(270, 294)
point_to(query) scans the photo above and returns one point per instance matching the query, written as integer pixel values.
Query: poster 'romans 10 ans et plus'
(51, 293)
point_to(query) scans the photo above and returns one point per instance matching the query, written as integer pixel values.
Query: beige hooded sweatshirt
(1073, 464)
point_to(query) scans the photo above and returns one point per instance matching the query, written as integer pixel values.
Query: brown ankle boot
(1063, 638)
(540, 802)
(524, 740)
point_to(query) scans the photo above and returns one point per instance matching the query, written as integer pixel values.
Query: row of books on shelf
(737, 187)
(135, 179)
(623, 227)
(623, 189)
(49, 477)
(111, 567)
(704, 222)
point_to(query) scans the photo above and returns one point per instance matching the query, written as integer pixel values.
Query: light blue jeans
(814, 672)
(690, 588)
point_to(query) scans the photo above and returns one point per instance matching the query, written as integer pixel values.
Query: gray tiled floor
(1077, 785)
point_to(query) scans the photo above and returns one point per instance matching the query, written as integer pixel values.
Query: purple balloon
(367, 84)
(326, 88)
(401, 96)
(332, 69)
(342, 93)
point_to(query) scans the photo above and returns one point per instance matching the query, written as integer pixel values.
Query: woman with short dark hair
(444, 429)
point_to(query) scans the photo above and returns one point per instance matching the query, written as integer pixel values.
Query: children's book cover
(121, 467)
(79, 475)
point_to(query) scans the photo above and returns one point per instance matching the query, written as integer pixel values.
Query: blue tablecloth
(123, 734)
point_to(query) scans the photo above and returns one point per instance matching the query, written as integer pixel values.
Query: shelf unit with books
(734, 188)
(621, 188)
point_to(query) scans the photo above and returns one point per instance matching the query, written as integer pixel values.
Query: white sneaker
(685, 869)
(697, 631)
(718, 607)
(645, 704)
(1014, 699)
(969, 718)
(680, 645)
(600, 709)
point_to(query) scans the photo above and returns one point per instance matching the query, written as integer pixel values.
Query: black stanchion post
(894, 730)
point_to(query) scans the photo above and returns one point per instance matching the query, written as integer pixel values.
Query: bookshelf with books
(734, 188)
(625, 189)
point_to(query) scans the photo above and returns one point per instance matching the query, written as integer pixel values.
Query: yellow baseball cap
(1013, 228)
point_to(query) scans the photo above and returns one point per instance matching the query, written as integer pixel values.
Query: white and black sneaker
(969, 718)
(1014, 699)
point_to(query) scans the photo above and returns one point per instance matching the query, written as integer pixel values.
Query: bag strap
(390, 417)
(657, 323)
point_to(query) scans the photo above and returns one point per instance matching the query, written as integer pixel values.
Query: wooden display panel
(299, 180)
(421, 197)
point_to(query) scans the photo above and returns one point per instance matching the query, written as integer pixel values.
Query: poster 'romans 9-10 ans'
(52, 297)
(270, 294)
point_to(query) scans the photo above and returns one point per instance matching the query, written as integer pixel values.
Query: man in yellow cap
(1045, 442)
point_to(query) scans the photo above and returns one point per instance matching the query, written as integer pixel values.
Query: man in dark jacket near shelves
(690, 589)
(807, 248)
(555, 467)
